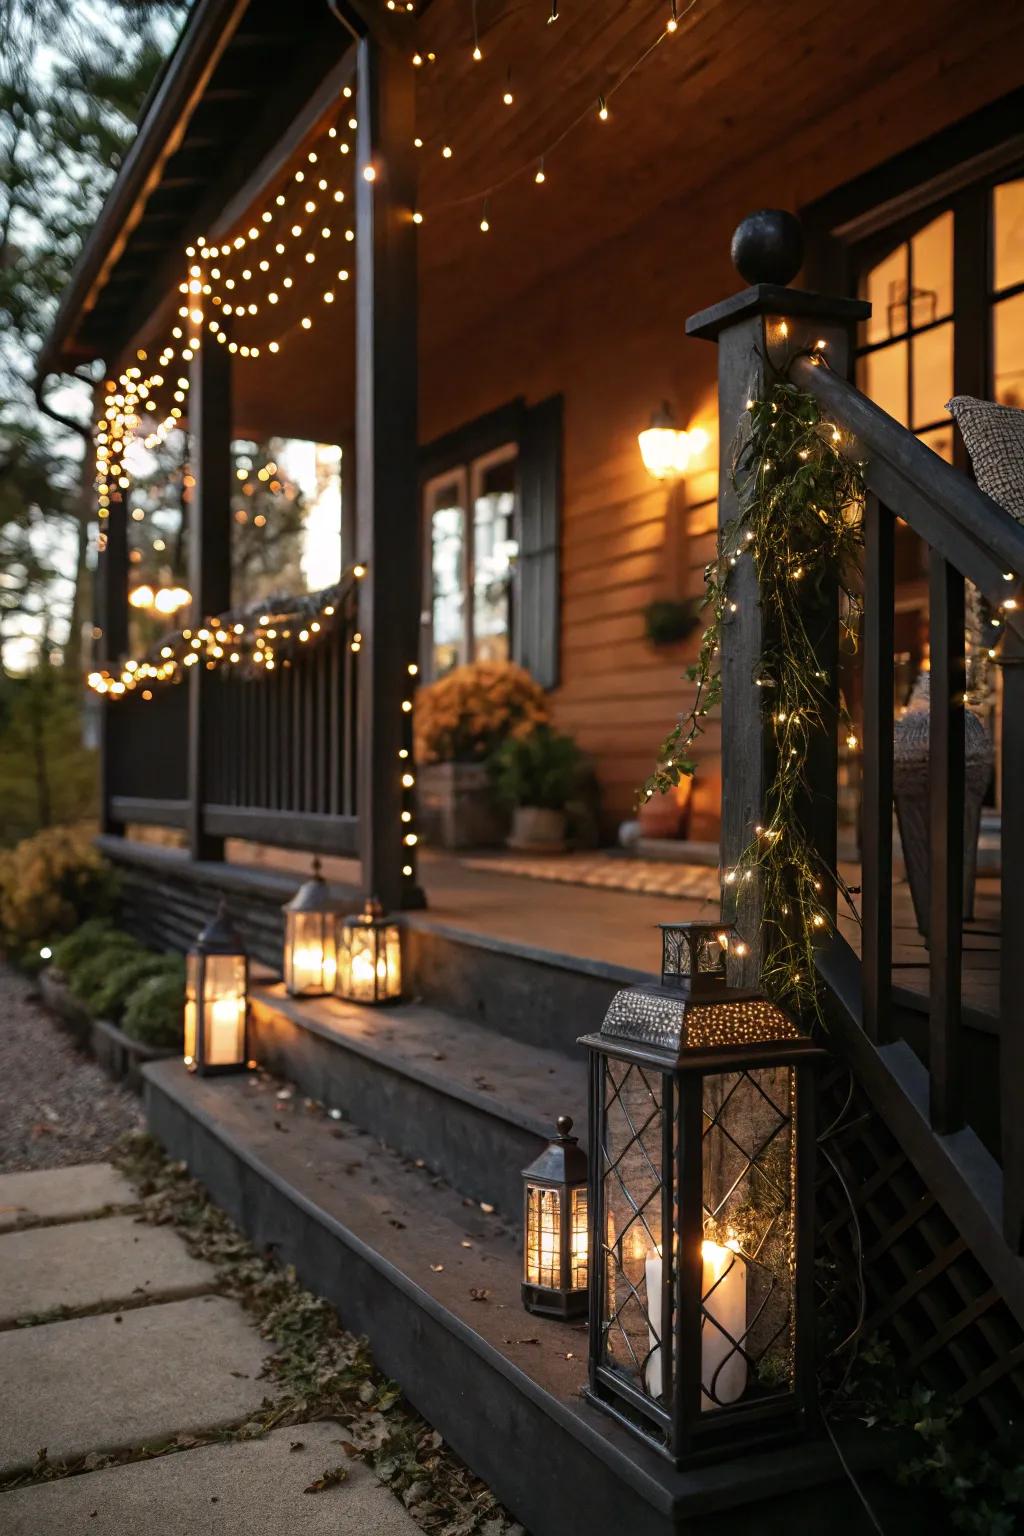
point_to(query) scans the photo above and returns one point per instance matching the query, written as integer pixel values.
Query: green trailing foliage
(154, 1012)
(801, 498)
(543, 769)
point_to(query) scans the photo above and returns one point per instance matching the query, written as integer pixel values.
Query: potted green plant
(459, 721)
(536, 776)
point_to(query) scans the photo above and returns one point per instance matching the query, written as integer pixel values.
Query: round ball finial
(564, 1124)
(768, 247)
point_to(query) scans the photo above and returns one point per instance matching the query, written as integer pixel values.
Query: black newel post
(759, 328)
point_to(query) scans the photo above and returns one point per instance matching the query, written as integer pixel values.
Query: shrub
(667, 621)
(89, 977)
(124, 978)
(155, 1011)
(48, 884)
(69, 952)
(465, 715)
(542, 769)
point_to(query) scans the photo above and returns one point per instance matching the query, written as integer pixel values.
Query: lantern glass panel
(580, 1238)
(543, 1236)
(369, 962)
(191, 995)
(748, 1303)
(633, 1327)
(310, 952)
(223, 1010)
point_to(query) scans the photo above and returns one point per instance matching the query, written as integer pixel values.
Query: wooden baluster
(946, 775)
(1011, 1033)
(876, 814)
(335, 707)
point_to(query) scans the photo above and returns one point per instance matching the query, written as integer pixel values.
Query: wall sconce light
(701, 1207)
(369, 956)
(216, 999)
(310, 940)
(555, 1228)
(665, 448)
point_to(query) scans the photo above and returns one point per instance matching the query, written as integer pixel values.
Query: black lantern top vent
(695, 1008)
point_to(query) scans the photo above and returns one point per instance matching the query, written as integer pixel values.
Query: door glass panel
(495, 549)
(931, 271)
(1008, 351)
(447, 563)
(1008, 234)
(882, 375)
(885, 288)
(932, 368)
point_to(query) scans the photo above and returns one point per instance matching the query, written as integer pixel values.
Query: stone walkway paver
(159, 1356)
(223, 1490)
(61, 1194)
(115, 1261)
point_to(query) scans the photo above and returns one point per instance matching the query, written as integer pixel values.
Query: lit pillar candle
(655, 1333)
(225, 1021)
(725, 1303)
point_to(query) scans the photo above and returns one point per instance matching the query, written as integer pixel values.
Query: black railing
(967, 536)
(278, 747)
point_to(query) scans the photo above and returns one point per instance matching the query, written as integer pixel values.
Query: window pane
(932, 271)
(882, 375)
(940, 441)
(286, 518)
(1008, 351)
(447, 555)
(495, 549)
(1008, 234)
(885, 288)
(933, 374)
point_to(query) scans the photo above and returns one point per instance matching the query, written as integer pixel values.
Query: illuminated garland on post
(801, 498)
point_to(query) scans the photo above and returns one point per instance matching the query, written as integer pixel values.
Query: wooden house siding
(607, 334)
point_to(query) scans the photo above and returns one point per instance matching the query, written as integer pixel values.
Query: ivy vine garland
(801, 502)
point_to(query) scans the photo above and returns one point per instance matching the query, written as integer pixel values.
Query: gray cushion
(994, 435)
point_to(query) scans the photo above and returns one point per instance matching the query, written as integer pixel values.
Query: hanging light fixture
(310, 940)
(369, 956)
(701, 1205)
(555, 1228)
(216, 999)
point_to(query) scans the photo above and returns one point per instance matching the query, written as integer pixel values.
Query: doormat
(644, 877)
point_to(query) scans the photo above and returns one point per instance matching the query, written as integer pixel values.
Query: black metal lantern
(701, 1202)
(555, 1228)
(216, 999)
(369, 956)
(310, 941)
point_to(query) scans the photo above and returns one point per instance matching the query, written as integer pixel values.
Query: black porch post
(209, 555)
(768, 321)
(386, 522)
(111, 619)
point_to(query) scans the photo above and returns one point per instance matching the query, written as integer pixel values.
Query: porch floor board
(617, 927)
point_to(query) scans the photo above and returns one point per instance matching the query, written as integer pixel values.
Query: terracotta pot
(910, 786)
(662, 815)
(536, 830)
(455, 807)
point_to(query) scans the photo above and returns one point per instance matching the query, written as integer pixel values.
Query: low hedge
(154, 1012)
(116, 978)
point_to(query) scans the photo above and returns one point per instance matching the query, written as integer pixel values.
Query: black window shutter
(540, 533)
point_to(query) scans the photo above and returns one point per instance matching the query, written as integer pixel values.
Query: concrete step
(475, 1105)
(433, 1282)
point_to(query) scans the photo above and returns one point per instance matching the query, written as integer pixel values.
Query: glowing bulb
(369, 173)
(447, 152)
(540, 178)
(417, 217)
(602, 109)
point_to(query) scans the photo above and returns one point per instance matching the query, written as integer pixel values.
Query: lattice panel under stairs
(925, 1291)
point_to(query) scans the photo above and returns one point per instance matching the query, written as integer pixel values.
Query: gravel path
(56, 1105)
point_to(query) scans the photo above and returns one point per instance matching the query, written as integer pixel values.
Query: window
(491, 514)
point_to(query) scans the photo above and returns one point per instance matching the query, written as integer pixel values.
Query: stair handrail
(977, 536)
